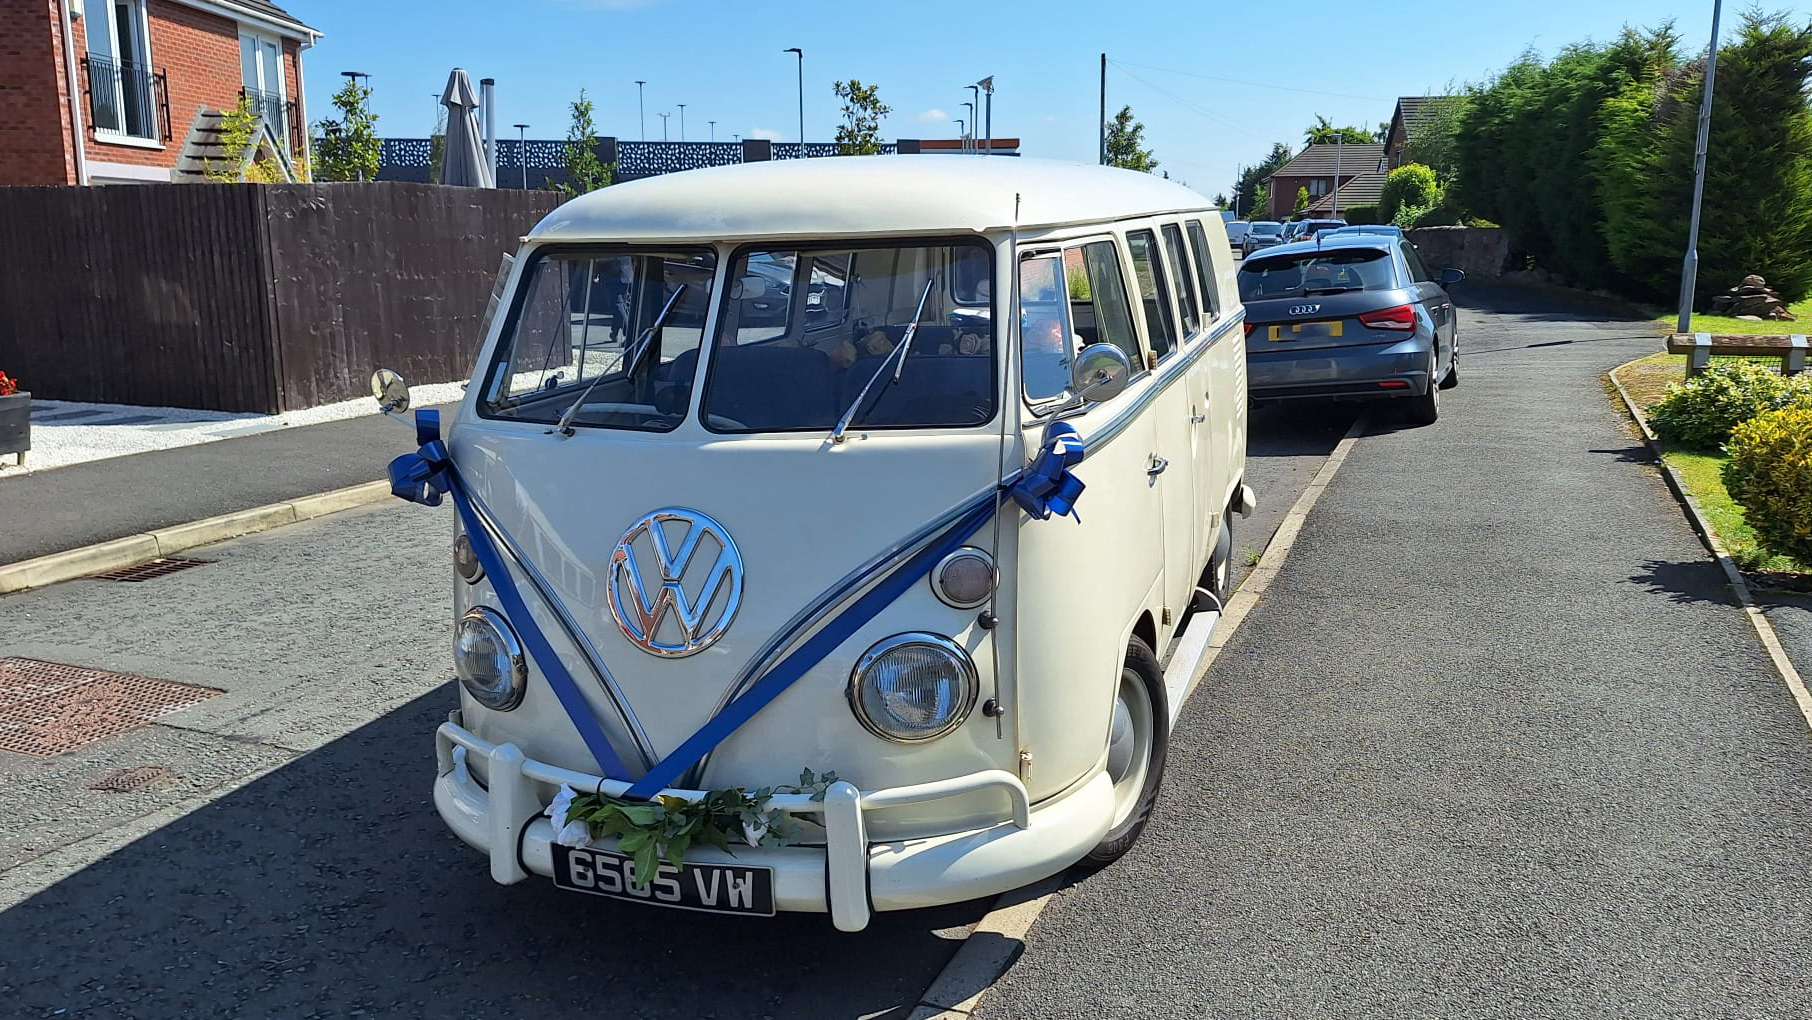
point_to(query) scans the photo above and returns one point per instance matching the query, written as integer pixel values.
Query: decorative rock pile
(1750, 300)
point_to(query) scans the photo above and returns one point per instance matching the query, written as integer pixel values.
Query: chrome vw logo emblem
(650, 576)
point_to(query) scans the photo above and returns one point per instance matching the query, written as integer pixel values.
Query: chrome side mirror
(1100, 372)
(391, 391)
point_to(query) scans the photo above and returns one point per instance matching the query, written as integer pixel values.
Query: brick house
(103, 91)
(1314, 168)
(1411, 112)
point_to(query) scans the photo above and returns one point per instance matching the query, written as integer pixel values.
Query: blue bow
(422, 476)
(1048, 487)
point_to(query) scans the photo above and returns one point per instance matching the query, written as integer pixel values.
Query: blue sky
(725, 62)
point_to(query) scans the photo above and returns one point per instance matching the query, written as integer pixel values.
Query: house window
(1318, 187)
(122, 87)
(261, 72)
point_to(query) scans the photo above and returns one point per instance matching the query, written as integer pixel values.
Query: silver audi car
(1350, 316)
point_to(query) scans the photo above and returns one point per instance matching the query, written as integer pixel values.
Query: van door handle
(1158, 464)
(1197, 419)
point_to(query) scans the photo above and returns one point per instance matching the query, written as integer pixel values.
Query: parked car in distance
(1236, 231)
(1309, 228)
(1350, 316)
(1261, 234)
(1367, 228)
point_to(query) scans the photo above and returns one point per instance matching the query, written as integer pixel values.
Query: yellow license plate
(1307, 331)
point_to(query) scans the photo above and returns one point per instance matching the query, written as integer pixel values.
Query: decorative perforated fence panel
(539, 163)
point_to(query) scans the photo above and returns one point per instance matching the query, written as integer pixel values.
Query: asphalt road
(290, 864)
(1496, 743)
(65, 508)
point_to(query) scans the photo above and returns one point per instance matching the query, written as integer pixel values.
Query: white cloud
(932, 116)
(1050, 120)
(769, 133)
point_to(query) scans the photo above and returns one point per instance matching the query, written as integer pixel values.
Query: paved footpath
(1497, 743)
(65, 508)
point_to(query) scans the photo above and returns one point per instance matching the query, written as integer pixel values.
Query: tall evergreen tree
(1126, 143)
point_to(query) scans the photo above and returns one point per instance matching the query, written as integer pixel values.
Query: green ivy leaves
(664, 829)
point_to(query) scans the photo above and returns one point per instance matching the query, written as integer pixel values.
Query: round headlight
(964, 579)
(465, 561)
(489, 659)
(913, 687)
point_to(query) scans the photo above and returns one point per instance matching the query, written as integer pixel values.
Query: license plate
(715, 888)
(1307, 331)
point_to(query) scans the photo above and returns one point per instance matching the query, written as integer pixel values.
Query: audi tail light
(1401, 318)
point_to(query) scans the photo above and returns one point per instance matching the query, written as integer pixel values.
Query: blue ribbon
(811, 652)
(1045, 488)
(1048, 487)
(422, 477)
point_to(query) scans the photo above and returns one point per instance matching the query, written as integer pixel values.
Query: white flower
(754, 831)
(574, 834)
(563, 802)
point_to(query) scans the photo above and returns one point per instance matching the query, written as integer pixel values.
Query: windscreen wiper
(632, 361)
(897, 357)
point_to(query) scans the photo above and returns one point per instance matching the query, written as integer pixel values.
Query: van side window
(1098, 304)
(1047, 341)
(1154, 295)
(1204, 269)
(1186, 300)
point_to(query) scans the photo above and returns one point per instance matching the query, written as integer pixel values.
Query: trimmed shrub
(1439, 216)
(1701, 412)
(1411, 184)
(1361, 215)
(1770, 474)
(1410, 215)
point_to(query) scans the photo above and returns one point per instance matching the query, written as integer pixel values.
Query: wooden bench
(1791, 350)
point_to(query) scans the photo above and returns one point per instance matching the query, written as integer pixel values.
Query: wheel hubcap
(1129, 744)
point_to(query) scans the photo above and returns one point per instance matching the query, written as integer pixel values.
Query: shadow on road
(1693, 581)
(331, 887)
(1629, 454)
(1544, 304)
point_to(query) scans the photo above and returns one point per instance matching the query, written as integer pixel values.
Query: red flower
(8, 386)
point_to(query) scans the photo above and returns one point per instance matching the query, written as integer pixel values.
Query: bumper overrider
(844, 875)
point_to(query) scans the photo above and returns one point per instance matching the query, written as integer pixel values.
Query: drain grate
(127, 780)
(154, 568)
(47, 708)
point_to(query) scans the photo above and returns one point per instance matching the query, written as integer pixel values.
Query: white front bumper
(848, 877)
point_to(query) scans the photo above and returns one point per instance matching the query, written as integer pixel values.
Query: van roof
(843, 196)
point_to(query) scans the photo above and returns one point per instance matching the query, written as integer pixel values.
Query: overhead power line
(1240, 81)
(1191, 106)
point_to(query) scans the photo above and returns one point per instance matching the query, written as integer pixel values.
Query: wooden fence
(241, 297)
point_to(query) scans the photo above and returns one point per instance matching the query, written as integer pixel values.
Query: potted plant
(15, 418)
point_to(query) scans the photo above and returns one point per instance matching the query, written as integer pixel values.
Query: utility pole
(1101, 124)
(1689, 270)
(641, 112)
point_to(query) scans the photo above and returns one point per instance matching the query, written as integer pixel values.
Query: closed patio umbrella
(464, 163)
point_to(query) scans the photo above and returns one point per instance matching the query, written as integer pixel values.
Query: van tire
(1140, 666)
(1219, 576)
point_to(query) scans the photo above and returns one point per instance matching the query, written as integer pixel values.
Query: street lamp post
(713, 129)
(1689, 270)
(641, 112)
(682, 122)
(801, 55)
(987, 85)
(664, 117)
(354, 76)
(974, 114)
(967, 120)
(959, 130)
(522, 152)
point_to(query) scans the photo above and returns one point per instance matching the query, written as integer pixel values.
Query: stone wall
(1480, 251)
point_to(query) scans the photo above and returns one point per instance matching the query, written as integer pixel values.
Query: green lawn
(1726, 324)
